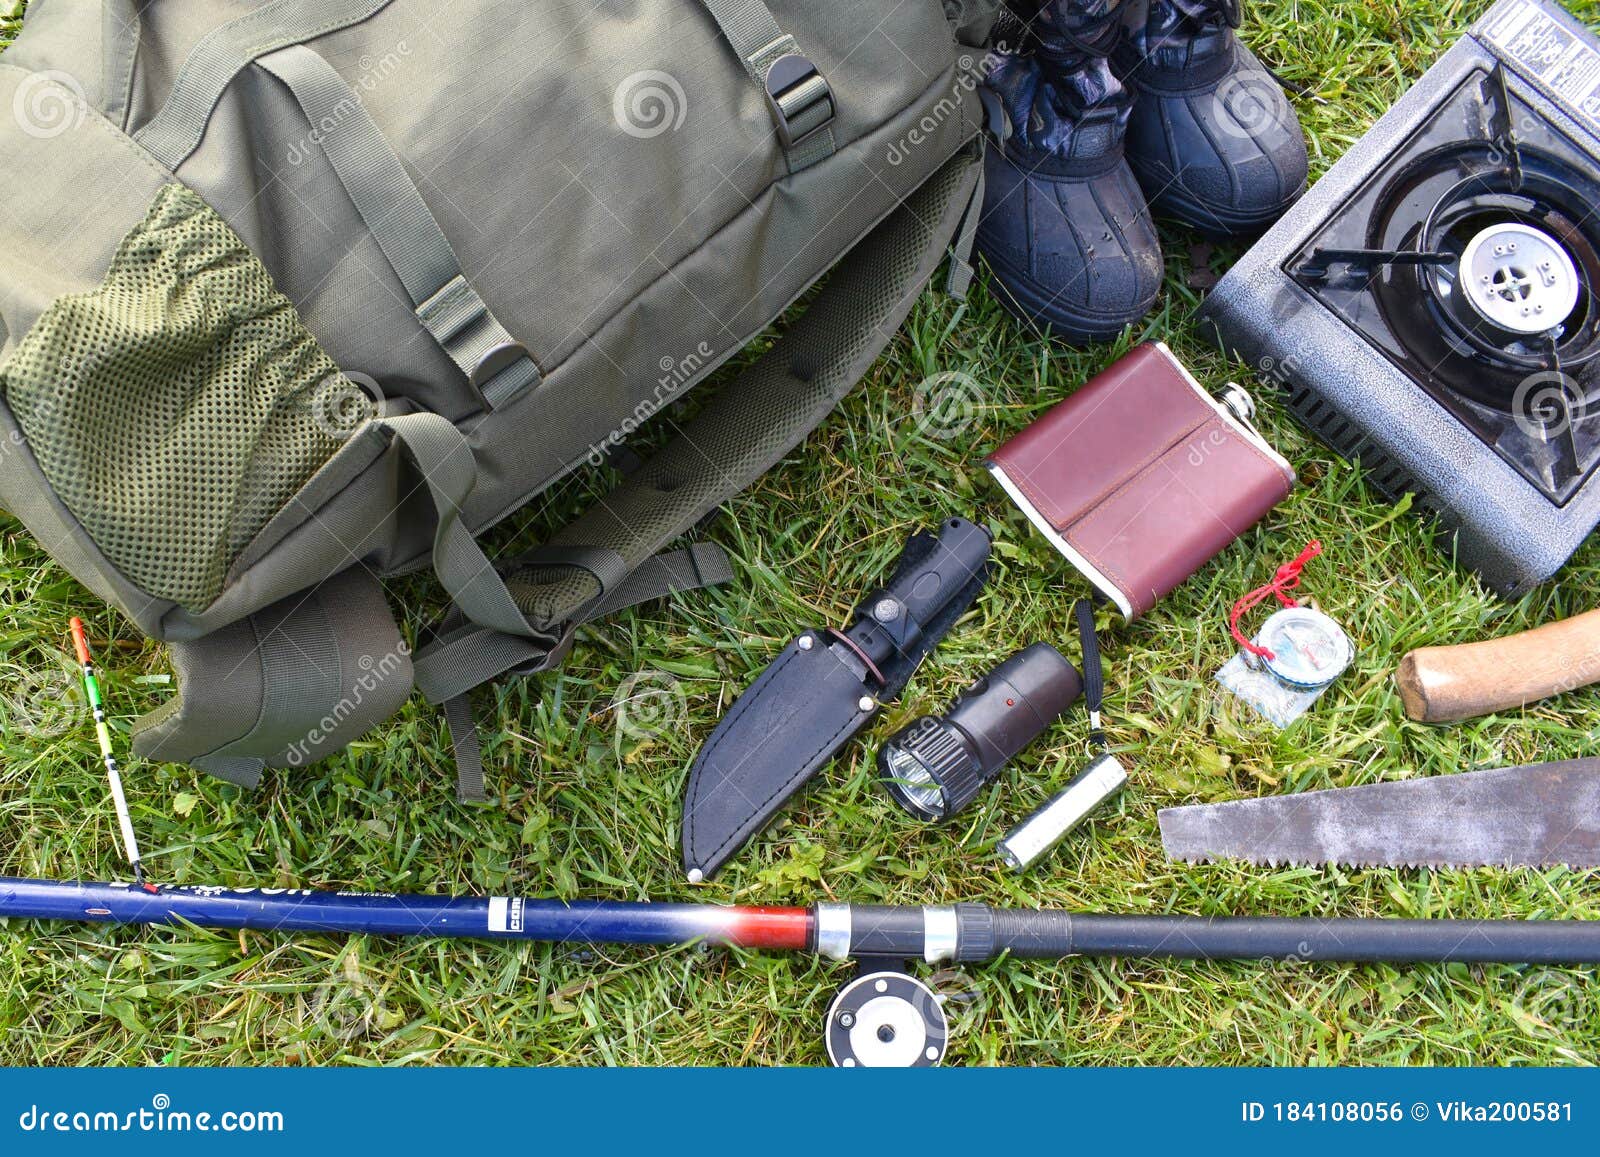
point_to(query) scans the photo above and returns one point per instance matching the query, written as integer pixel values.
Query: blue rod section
(271, 910)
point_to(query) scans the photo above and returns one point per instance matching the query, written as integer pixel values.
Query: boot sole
(1023, 300)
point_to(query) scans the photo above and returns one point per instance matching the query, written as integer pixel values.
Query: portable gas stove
(1431, 305)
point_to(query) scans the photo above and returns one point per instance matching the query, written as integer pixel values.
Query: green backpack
(300, 294)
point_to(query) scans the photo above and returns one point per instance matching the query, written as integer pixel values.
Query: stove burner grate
(1518, 254)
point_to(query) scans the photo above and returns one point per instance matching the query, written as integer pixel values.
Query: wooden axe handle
(1447, 684)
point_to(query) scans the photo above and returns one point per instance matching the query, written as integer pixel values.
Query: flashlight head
(930, 770)
(937, 766)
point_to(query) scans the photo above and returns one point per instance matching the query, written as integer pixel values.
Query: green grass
(587, 811)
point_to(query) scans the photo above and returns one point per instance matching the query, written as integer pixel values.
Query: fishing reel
(886, 1019)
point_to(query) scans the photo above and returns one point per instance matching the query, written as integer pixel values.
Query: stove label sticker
(1560, 59)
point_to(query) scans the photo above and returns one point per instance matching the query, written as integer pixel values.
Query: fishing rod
(883, 1017)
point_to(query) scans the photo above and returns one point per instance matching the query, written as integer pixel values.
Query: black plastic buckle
(1097, 126)
(800, 99)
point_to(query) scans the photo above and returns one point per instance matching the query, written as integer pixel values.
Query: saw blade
(1542, 816)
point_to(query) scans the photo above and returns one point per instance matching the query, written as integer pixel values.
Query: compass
(1309, 650)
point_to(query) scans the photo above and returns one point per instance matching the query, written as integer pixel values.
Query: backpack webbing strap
(959, 282)
(441, 453)
(405, 228)
(468, 749)
(177, 130)
(466, 656)
(801, 100)
(700, 565)
(287, 686)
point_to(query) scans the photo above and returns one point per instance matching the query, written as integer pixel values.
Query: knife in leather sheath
(824, 688)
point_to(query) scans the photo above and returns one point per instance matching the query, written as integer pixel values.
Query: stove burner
(1536, 311)
(1519, 278)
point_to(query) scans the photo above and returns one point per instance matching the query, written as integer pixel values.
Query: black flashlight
(938, 764)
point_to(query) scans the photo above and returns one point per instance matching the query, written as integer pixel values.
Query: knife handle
(1449, 684)
(961, 552)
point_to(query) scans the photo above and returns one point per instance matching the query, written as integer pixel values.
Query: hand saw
(1541, 816)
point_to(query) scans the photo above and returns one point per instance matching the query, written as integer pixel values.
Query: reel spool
(887, 1020)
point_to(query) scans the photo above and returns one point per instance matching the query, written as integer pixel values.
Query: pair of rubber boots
(1110, 110)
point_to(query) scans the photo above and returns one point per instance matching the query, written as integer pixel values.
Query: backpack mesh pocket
(179, 406)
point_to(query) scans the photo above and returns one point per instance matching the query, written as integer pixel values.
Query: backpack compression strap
(405, 229)
(799, 97)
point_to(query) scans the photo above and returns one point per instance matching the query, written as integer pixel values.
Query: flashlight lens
(910, 779)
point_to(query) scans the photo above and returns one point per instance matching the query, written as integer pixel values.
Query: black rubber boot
(1213, 139)
(1065, 230)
